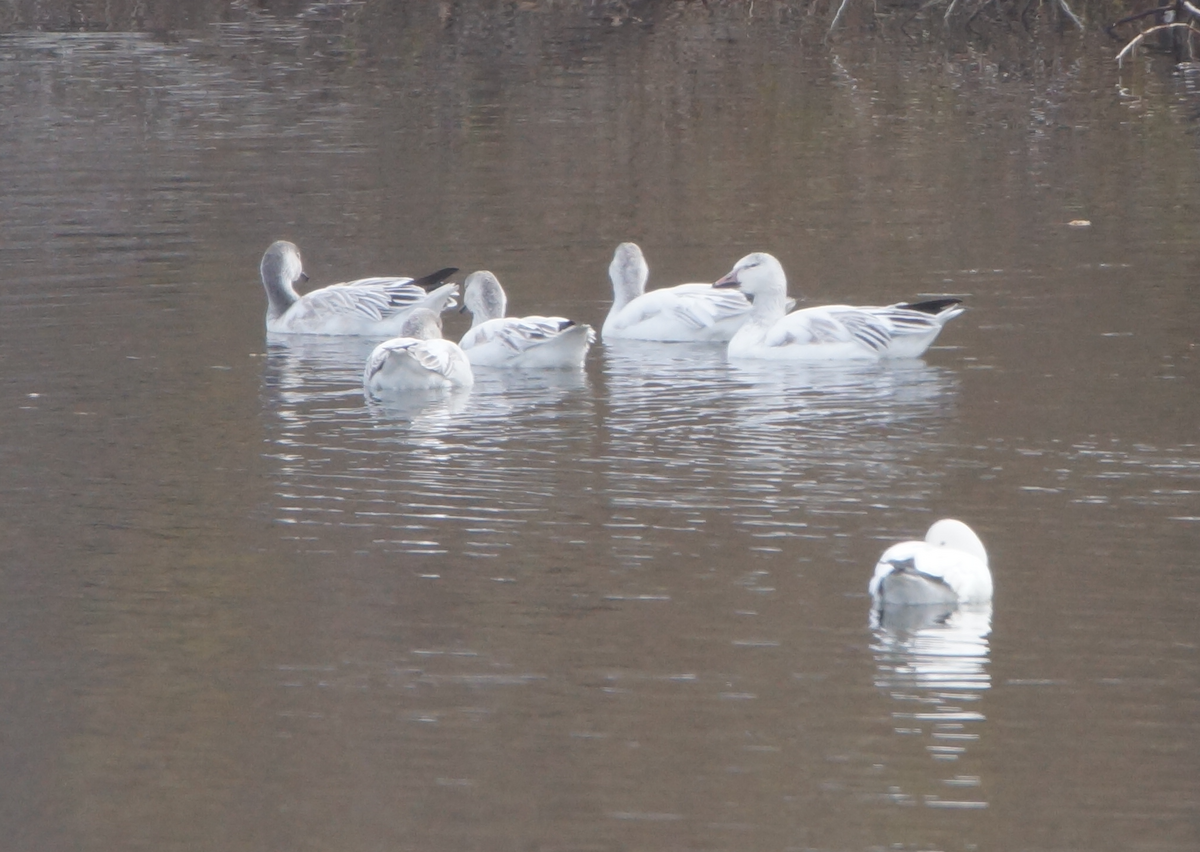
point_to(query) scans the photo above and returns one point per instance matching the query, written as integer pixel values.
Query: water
(246, 608)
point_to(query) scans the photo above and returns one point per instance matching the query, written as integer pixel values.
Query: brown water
(243, 609)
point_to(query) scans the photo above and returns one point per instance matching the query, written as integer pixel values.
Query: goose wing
(381, 353)
(915, 558)
(693, 306)
(832, 324)
(374, 299)
(703, 306)
(527, 332)
(963, 574)
(920, 318)
(436, 356)
(518, 334)
(371, 299)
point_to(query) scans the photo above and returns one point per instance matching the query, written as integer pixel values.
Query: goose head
(628, 273)
(957, 536)
(281, 269)
(422, 324)
(483, 297)
(758, 274)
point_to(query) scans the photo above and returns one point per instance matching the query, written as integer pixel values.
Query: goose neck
(280, 295)
(769, 307)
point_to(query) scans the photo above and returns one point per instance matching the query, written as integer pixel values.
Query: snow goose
(495, 340)
(683, 313)
(949, 566)
(368, 306)
(417, 360)
(829, 333)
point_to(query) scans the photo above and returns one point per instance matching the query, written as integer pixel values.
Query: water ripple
(932, 663)
(659, 429)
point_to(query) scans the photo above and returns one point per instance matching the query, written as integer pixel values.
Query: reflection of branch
(1070, 14)
(1142, 35)
(838, 16)
(1190, 8)
(1129, 19)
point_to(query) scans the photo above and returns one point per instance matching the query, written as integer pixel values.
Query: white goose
(949, 566)
(369, 306)
(829, 333)
(683, 313)
(417, 360)
(495, 340)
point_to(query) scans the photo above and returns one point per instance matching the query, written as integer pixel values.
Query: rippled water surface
(245, 607)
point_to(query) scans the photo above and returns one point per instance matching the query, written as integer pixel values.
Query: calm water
(244, 609)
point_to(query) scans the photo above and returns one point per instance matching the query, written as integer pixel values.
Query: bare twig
(1142, 35)
(837, 17)
(1131, 18)
(1191, 8)
(1070, 14)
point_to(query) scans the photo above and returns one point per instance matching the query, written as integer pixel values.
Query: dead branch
(1129, 19)
(837, 17)
(1140, 37)
(1070, 14)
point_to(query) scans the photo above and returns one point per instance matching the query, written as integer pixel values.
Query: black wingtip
(433, 279)
(933, 306)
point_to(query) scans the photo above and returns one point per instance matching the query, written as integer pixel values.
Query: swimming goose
(832, 332)
(949, 566)
(368, 306)
(685, 312)
(417, 360)
(495, 340)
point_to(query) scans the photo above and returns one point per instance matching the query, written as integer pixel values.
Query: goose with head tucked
(829, 333)
(375, 307)
(683, 313)
(949, 567)
(494, 340)
(417, 360)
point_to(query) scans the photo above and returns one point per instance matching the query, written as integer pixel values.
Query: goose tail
(942, 310)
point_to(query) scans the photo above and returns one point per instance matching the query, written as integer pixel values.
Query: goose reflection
(523, 389)
(777, 451)
(688, 429)
(320, 378)
(497, 395)
(434, 409)
(868, 394)
(932, 661)
(446, 472)
(314, 364)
